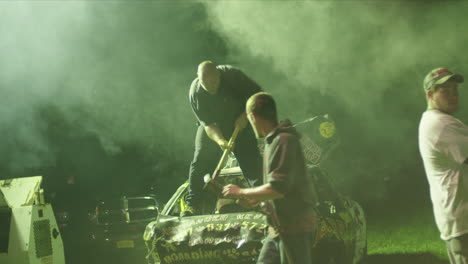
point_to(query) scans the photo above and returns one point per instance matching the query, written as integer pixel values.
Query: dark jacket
(285, 170)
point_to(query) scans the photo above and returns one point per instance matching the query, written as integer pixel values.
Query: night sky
(98, 90)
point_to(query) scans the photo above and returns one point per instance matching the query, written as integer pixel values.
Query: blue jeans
(299, 246)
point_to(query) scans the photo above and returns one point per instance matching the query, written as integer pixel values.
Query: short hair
(262, 105)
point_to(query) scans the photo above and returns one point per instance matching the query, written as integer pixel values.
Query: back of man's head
(262, 105)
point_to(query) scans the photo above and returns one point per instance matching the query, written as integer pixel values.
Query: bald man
(218, 96)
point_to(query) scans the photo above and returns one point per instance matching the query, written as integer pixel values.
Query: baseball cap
(440, 76)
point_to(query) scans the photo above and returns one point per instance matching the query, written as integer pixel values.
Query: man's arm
(241, 121)
(216, 135)
(455, 137)
(261, 193)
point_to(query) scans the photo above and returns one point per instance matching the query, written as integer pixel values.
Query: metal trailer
(28, 230)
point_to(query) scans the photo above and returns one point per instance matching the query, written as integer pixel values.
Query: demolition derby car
(229, 233)
(116, 227)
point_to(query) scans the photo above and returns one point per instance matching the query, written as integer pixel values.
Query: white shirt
(443, 144)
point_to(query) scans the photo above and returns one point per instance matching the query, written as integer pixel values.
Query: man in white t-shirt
(443, 144)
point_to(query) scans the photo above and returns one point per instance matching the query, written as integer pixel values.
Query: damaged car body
(229, 233)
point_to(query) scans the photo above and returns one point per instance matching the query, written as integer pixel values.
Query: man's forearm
(243, 115)
(264, 192)
(241, 121)
(214, 133)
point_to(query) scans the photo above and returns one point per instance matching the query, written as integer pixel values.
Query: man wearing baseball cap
(443, 144)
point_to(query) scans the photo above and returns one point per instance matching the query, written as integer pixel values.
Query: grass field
(404, 235)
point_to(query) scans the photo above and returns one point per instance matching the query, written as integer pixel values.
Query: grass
(402, 235)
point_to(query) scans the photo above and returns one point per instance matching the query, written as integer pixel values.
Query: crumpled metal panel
(218, 238)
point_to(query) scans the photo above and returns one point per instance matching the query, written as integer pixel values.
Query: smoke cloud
(361, 61)
(118, 70)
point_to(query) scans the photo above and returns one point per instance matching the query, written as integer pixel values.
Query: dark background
(96, 92)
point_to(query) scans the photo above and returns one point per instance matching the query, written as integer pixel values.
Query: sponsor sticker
(125, 244)
(327, 129)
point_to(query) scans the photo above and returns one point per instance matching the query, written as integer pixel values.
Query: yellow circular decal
(327, 129)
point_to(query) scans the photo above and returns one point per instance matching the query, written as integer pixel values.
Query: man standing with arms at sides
(218, 96)
(443, 144)
(286, 185)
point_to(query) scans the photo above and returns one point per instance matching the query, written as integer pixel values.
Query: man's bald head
(206, 66)
(209, 76)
